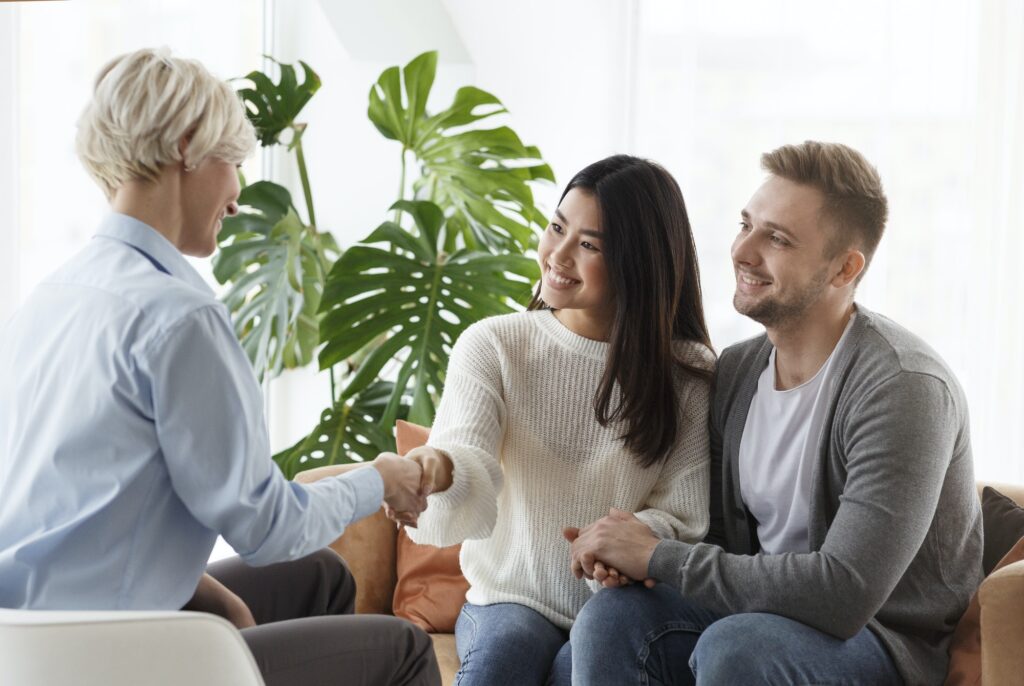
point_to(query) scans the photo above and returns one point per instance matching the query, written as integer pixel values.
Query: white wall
(930, 92)
(9, 196)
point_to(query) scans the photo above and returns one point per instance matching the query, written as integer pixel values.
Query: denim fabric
(635, 635)
(508, 643)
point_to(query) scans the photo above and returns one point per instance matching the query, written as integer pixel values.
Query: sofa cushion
(1003, 521)
(430, 588)
(965, 648)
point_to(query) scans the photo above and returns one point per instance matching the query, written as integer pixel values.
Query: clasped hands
(614, 551)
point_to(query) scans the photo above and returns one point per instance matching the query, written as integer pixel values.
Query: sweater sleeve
(898, 441)
(677, 508)
(469, 427)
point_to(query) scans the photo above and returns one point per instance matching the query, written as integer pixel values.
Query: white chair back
(44, 648)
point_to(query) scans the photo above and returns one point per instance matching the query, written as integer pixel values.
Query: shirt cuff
(368, 488)
(667, 562)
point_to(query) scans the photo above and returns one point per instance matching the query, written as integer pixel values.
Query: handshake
(409, 480)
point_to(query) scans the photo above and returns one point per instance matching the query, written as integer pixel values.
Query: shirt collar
(153, 245)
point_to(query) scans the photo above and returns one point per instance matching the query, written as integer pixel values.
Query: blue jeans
(508, 643)
(635, 635)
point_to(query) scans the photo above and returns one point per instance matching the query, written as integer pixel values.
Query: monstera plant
(274, 264)
(384, 313)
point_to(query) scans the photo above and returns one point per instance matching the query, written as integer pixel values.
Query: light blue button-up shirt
(132, 434)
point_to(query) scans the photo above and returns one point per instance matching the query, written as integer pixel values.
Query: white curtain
(931, 93)
(993, 241)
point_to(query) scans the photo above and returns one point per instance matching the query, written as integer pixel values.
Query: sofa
(369, 548)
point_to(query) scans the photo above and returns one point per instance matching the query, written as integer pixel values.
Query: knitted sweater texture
(530, 458)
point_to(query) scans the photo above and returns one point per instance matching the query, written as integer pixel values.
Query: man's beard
(778, 311)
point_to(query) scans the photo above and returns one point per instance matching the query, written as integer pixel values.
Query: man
(131, 424)
(845, 530)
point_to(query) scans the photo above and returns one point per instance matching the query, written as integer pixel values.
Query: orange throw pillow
(430, 589)
(965, 648)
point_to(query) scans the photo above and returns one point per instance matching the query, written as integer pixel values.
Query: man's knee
(726, 651)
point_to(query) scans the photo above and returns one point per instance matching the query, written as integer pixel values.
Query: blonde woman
(131, 424)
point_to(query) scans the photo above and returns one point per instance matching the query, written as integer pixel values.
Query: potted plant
(382, 315)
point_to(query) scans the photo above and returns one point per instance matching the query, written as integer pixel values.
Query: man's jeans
(635, 635)
(508, 643)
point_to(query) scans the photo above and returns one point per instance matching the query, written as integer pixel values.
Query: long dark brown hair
(652, 271)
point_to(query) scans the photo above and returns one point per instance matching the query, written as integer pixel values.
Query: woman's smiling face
(574, 274)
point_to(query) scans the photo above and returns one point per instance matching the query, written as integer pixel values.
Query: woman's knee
(336, 587)
(608, 608)
(509, 624)
(505, 644)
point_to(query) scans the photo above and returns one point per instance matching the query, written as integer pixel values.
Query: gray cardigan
(894, 519)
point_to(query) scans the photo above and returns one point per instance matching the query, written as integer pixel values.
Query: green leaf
(408, 305)
(348, 432)
(479, 177)
(271, 107)
(276, 274)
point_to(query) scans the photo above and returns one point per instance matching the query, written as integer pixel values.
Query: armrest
(1002, 625)
(311, 475)
(368, 548)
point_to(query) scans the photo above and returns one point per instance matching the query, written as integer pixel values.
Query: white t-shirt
(778, 451)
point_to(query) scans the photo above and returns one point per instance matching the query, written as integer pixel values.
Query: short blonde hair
(854, 199)
(143, 104)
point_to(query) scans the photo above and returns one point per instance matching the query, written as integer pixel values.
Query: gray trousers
(306, 632)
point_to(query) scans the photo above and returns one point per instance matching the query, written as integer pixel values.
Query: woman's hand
(215, 598)
(437, 469)
(437, 476)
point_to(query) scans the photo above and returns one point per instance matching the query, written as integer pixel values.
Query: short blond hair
(143, 104)
(854, 199)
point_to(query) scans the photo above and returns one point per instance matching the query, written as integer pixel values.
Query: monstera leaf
(348, 432)
(275, 267)
(408, 304)
(273, 107)
(479, 176)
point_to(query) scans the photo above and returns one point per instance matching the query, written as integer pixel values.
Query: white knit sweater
(517, 419)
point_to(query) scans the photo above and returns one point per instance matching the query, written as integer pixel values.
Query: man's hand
(402, 479)
(619, 542)
(608, 577)
(213, 597)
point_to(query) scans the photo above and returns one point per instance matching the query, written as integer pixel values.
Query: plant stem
(433, 188)
(303, 175)
(334, 393)
(401, 184)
